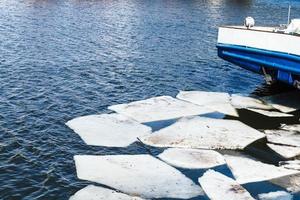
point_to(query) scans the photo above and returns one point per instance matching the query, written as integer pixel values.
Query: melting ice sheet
(218, 187)
(207, 133)
(285, 102)
(217, 101)
(248, 170)
(92, 192)
(112, 130)
(159, 109)
(283, 137)
(278, 195)
(239, 101)
(192, 158)
(139, 175)
(286, 152)
(270, 113)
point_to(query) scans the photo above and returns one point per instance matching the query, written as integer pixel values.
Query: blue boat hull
(283, 67)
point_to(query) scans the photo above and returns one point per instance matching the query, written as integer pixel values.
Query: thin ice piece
(207, 133)
(285, 102)
(136, 175)
(278, 195)
(239, 101)
(291, 127)
(192, 158)
(92, 192)
(159, 109)
(217, 101)
(112, 130)
(283, 137)
(291, 164)
(270, 113)
(220, 187)
(248, 170)
(286, 152)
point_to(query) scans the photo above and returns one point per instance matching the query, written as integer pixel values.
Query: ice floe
(112, 130)
(278, 195)
(207, 133)
(291, 127)
(290, 182)
(248, 170)
(283, 137)
(291, 164)
(138, 175)
(220, 187)
(285, 102)
(270, 113)
(159, 109)
(286, 152)
(92, 192)
(192, 158)
(217, 101)
(239, 101)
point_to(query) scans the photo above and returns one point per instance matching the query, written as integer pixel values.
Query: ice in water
(192, 158)
(207, 133)
(112, 130)
(278, 195)
(270, 113)
(220, 187)
(248, 170)
(159, 109)
(217, 101)
(286, 152)
(239, 101)
(138, 175)
(285, 102)
(283, 137)
(92, 192)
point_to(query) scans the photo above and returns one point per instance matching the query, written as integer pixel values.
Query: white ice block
(192, 158)
(207, 133)
(283, 137)
(278, 195)
(239, 101)
(270, 113)
(92, 192)
(286, 152)
(159, 109)
(248, 170)
(138, 175)
(111, 130)
(220, 187)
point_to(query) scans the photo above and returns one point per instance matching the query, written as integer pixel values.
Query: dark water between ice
(60, 59)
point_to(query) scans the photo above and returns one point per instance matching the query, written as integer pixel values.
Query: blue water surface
(60, 59)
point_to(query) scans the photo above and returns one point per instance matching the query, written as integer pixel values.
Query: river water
(60, 59)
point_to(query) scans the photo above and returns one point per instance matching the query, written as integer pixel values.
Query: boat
(271, 51)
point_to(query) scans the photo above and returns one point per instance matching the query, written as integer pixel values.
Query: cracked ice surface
(139, 175)
(112, 130)
(192, 158)
(92, 192)
(218, 187)
(207, 133)
(159, 109)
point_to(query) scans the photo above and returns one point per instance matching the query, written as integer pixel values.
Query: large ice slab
(201, 132)
(278, 195)
(217, 101)
(248, 170)
(139, 175)
(285, 102)
(270, 113)
(192, 158)
(239, 101)
(92, 192)
(291, 127)
(291, 164)
(283, 137)
(112, 130)
(286, 152)
(159, 109)
(220, 187)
